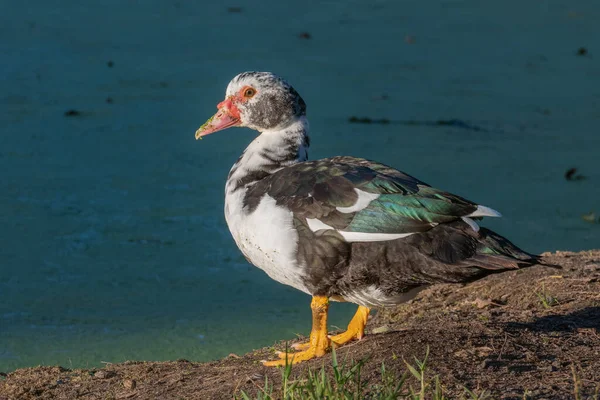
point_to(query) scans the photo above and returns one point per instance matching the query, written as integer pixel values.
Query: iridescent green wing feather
(318, 189)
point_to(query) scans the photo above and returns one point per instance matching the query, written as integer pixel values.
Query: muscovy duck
(342, 228)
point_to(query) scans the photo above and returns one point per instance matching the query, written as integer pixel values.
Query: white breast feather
(267, 238)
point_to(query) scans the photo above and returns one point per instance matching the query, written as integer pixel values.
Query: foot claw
(293, 358)
(283, 355)
(345, 337)
(300, 346)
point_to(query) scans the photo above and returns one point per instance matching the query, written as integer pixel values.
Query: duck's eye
(249, 92)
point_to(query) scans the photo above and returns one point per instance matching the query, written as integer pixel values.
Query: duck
(343, 228)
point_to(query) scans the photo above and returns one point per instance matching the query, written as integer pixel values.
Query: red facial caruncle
(228, 114)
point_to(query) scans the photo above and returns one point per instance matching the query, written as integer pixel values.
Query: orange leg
(356, 330)
(318, 344)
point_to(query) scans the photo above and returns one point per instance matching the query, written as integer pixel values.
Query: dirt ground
(532, 333)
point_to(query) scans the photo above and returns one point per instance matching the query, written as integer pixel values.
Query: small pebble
(104, 374)
(381, 329)
(521, 368)
(129, 384)
(482, 303)
(255, 377)
(491, 363)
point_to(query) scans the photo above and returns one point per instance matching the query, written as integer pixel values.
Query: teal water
(113, 240)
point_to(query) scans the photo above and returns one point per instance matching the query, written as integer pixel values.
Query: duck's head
(257, 100)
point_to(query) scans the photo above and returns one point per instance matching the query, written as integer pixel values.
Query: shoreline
(522, 333)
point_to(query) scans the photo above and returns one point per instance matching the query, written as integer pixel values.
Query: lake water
(113, 240)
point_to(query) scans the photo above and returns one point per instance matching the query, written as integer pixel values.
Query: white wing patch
(471, 223)
(371, 237)
(316, 224)
(363, 201)
(483, 211)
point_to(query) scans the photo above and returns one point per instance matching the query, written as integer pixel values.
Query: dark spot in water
(543, 111)
(410, 39)
(356, 120)
(304, 35)
(72, 113)
(109, 100)
(367, 120)
(452, 122)
(234, 9)
(110, 64)
(455, 123)
(163, 84)
(582, 51)
(151, 241)
(381, 97)
(570, 175)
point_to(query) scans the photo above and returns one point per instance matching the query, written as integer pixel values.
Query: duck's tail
(498, 253)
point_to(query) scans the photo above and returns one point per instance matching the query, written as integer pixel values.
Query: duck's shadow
(585, 318)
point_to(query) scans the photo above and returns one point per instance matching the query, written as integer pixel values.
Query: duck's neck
(268, 153)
